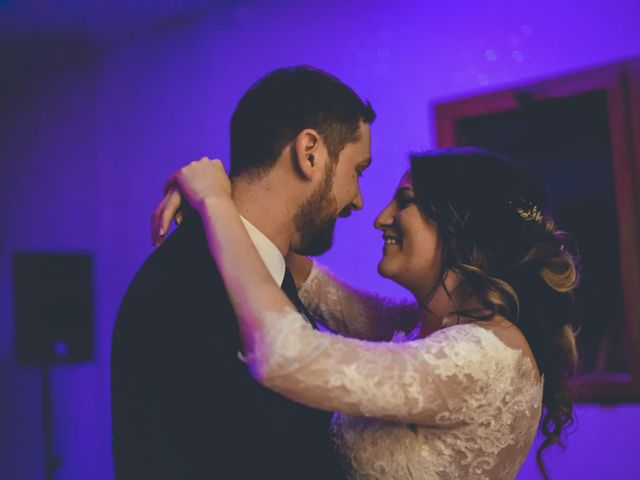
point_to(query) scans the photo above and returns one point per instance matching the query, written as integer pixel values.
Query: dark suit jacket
(184, 406)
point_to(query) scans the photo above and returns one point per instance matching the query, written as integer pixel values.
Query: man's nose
(357, 203)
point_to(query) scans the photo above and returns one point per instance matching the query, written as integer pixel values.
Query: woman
(461, 395)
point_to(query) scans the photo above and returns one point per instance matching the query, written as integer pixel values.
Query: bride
(458, 394)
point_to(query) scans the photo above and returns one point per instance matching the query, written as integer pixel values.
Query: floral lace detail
(484, 432)
(352, 312)
(459, 403)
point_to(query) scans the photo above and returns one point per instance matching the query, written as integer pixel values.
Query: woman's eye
(360, 174)
(404, 202)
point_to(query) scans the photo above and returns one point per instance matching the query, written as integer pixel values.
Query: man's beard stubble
(315, 220)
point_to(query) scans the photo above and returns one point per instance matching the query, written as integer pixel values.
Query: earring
(310, 158)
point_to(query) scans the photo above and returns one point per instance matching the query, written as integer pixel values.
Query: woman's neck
(434, 310)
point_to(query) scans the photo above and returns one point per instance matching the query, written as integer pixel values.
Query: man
(184, 404)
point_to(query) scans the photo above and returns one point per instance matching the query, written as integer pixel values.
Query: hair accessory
(528, 211)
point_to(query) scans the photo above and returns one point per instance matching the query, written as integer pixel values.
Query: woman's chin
(385, 270)
(382, 271)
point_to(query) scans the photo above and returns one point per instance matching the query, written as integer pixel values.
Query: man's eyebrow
(365, 163)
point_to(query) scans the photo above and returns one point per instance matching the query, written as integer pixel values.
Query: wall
(92, 124)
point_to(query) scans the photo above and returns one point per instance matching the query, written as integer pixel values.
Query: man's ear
(307, 158)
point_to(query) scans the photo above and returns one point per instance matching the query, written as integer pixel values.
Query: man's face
(336, 196)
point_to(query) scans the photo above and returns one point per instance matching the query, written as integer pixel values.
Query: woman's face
(412, 250)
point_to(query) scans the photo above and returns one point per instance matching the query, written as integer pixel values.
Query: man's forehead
(364, 132)
(365, 141)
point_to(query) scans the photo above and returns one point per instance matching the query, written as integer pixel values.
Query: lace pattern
(459, 403)
(353, 312)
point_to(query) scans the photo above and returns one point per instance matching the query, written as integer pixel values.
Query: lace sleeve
(443, 379)
(352, 312)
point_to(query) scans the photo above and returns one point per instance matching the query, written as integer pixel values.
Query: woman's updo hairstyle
(510, 256)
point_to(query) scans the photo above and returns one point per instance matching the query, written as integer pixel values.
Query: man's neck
(266, 207)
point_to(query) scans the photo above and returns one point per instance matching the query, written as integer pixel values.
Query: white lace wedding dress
(462, 403)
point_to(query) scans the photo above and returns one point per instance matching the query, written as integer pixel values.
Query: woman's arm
(352, 312)
(252, 291)
(413, 382)
(339, 306)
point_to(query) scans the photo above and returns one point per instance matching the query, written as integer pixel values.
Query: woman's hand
(198, 183)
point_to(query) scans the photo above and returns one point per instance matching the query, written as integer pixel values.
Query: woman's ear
(307, 148)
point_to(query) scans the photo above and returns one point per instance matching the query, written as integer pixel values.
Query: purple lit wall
(99, 105)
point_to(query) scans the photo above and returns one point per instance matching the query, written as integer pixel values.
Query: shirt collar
(271, 256)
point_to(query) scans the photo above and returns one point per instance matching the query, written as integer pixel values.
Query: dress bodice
(484, 428)
(459, 403)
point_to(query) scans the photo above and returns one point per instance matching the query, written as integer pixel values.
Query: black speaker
(53, 305)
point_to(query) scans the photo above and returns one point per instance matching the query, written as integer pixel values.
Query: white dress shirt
(271, 256)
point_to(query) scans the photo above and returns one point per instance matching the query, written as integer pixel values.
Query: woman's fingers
(191, 183)
(157, 231)
(161, 219)
(172, 202)
(156, 236)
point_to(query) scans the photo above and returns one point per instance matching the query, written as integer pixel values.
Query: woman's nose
(384, 218)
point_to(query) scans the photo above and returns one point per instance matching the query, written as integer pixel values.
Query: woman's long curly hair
(510, 258)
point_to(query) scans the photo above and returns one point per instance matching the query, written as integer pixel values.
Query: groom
(184, 404)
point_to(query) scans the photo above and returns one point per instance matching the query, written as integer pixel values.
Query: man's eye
(360, 174)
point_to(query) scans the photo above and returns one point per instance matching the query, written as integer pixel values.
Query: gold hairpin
(532, 215)
(529, 214)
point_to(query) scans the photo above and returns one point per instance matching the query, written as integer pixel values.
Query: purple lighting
(101, 101)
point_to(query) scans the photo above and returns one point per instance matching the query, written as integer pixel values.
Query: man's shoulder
(184, 257)
(181, 270)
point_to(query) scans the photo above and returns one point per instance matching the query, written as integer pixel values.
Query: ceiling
(99, 18)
